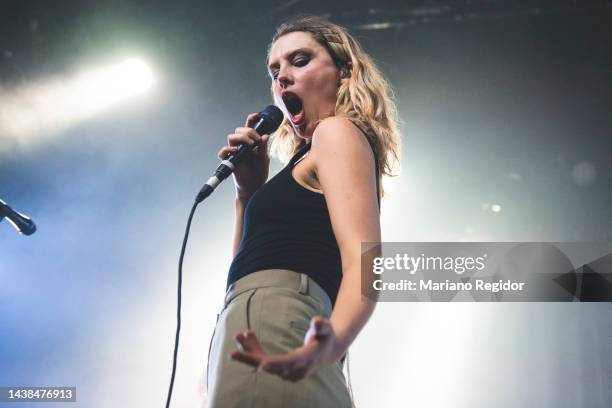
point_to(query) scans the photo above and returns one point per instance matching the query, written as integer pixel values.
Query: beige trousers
(277, 305)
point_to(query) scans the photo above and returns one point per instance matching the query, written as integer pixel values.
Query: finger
(250, 132)
(249, 342)
(251, 119)
(225, 151)
(262, 148)
(247, 358)
(275, 367)
(282, 364)
(236, 139)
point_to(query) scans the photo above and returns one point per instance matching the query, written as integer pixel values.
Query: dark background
(503, 103)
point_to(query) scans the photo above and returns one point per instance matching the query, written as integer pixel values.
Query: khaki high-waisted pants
(277, 305)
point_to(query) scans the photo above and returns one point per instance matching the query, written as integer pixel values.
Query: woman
(294, 303)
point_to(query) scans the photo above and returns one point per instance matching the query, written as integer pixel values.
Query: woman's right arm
(240, 205)
(250, 174)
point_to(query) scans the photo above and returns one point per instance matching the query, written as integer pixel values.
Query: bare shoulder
(336, 138)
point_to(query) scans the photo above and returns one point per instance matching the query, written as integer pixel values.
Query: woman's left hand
(316, 352)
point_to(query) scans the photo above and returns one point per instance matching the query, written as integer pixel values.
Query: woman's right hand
(252, 172)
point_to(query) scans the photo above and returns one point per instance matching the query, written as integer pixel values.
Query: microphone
(21, 222)
(269, 120)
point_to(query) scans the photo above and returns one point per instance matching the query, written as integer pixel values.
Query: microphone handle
(227, 167)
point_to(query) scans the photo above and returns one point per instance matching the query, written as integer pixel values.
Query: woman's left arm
(345, 168)
(346, 171)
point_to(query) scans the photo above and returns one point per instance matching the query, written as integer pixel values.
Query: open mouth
(294, 106)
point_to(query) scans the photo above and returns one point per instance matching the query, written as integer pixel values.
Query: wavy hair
(366, 98)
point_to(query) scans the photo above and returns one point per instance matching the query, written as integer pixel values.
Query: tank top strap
(301, 152)
(377, 182)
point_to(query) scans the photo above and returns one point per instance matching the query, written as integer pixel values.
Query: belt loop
(303, 284)
(227, 294)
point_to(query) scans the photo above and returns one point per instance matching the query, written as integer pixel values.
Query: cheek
(324, 84)
(276, 90)
(329, 80)
(327, 90)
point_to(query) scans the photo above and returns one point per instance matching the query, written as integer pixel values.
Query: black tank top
(287, 226)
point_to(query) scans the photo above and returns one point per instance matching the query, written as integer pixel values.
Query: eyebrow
(290, 55)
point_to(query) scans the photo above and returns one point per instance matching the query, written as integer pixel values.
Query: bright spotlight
(107, 86)
(48, 106)
(134, 75)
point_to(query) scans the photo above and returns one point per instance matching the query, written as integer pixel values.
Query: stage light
(100, 88)
(55, 104)
(134, 75)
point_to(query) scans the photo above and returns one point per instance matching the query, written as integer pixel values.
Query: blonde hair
(366, 98)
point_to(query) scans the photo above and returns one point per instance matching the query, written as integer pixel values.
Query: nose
(284, 77)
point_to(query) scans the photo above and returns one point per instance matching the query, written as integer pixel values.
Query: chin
(301, 130)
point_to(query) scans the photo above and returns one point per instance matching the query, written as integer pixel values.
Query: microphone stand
(21, 222)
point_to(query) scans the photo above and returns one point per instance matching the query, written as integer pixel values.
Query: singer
(294, 304)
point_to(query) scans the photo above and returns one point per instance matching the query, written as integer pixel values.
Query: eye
(301, 60)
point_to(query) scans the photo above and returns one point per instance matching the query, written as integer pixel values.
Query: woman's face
(305, 80)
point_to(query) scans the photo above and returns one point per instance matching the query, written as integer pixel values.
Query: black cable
(269, 120)
(178, 310)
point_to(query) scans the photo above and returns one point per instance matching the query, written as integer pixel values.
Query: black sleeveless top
(287, 226)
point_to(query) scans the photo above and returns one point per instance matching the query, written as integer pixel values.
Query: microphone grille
(272, 117)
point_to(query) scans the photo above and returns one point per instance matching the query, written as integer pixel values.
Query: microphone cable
(178, 309)
(269, 120)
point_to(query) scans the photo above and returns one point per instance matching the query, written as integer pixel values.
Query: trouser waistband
(301, 282)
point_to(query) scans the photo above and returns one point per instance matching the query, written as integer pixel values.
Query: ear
(345, 73)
